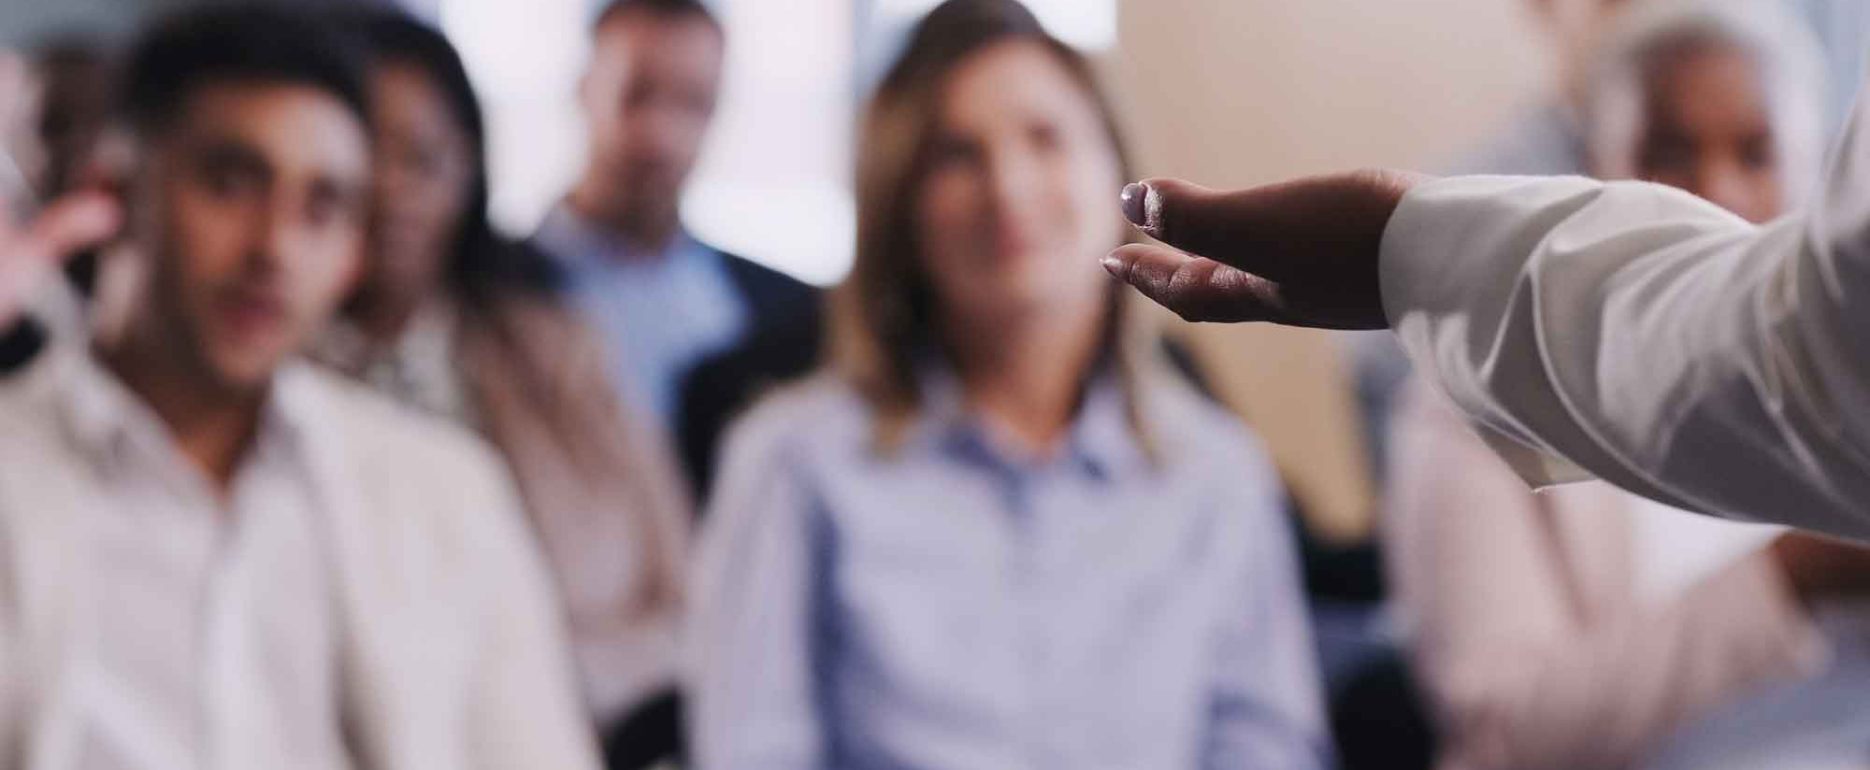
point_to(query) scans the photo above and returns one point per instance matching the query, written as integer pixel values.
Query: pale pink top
(1528, 636)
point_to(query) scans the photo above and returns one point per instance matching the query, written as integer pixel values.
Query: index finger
(1273, 230)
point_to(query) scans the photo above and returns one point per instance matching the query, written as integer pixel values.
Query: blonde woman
(996, 533)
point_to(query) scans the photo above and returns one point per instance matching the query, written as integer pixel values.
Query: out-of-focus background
(1228, 93)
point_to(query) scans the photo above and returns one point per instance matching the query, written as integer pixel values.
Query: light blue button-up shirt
(660, 314)
(954, 606)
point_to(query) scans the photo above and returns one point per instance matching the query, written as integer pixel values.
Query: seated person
(215, 556)
(999, 532)
(694, 333)
(453, 320)
(1546, 627)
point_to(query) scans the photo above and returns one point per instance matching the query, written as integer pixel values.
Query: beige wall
(1238, 92)
(1235, 92)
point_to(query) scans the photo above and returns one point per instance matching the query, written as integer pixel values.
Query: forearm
(1655, 341)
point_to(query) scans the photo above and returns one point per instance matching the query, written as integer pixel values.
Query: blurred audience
(74, 107)
(55, 111)
(1537, 632)
(999, 532)
(1378, 714)
(996, 527)
(217, 556)
(74, 111)
(694, 332)
(1722, 98)
(1549, 137)
(453, 320)
(22, 168)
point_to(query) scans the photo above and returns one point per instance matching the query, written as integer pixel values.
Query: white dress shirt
(365, 595)
(194, 597)
(1651, 338)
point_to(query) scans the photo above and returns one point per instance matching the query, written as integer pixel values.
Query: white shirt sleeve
(1650, 338)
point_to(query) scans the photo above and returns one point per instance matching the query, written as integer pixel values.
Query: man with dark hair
(671, 9)
(216, 556)
(694, 332)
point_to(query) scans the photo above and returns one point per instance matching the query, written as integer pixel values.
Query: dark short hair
(692, 9)
(218, 44)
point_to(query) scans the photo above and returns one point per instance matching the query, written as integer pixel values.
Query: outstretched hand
(1301, 253)
(31, 251)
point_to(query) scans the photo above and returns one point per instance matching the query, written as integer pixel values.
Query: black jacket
(782, 341)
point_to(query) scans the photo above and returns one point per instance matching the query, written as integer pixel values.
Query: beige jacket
(1524, 616)
(603, 492)
(450, 655)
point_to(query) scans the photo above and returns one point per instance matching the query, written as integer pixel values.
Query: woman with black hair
(456, 320)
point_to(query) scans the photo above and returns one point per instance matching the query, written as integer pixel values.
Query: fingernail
(1135, 203)
(1113, 265)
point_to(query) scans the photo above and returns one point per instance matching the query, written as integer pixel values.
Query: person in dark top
(693, 333)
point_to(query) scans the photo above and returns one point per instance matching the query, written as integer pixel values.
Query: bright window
(1088, 24)
(773, 181)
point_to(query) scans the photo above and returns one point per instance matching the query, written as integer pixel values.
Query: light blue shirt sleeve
(754, 703)
(1268, 705)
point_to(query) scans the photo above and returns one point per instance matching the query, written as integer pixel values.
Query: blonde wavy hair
(883, 316)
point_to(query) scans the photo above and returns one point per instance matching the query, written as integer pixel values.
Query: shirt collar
(419, 364)
(109, 421)
(1101, 440)
(578, 242)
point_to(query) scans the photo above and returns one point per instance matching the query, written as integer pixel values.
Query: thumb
(1185, 215)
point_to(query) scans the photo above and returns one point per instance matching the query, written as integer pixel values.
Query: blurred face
(423, 173)
(251, 206)
(648, 98)
(1016, 200)
(1709, 131)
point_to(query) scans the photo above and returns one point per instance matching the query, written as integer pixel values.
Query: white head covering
(1785, 49)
